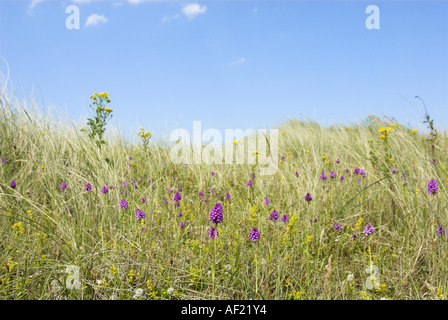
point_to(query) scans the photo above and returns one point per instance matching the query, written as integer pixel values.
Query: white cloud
(95, 19)
(193, 9)
(81, 1)
(168, 18)
(135, 1)
(33, 4)
(237, 62)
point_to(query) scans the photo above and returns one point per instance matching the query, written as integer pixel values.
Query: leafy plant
(97, 124)
(146, 136)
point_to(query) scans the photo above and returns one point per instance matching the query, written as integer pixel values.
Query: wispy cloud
(193, 9)
(168, 18)
(95, 19)
(33, 4)
(81, 1)
(237, 62)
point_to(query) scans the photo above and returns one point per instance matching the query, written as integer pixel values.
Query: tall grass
(45, 229)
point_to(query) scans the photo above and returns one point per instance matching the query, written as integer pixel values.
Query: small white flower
(170, 291)
(138, 293)
(350, 277)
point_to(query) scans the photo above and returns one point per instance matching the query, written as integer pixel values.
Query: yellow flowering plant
(97, 124)
(146, 136)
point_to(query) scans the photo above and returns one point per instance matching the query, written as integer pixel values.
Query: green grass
(299, 259)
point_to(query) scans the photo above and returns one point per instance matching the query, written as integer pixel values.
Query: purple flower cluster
(369, 229)
(63, 186)
(88, 187)
(308, 197)
(139, 214)
(432, 187)
(176, 199)
(274, 215)
(441, 231)
(254, 234)
(337, 227)
(216, 213)
(123, 204)
(212, 233)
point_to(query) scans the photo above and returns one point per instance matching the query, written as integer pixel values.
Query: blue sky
(230, 64)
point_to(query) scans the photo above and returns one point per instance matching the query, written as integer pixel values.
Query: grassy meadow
(65, 210)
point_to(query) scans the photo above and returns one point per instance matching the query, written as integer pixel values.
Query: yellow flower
(381, 130)
(391, 159)
(307, 151)
(18, 227)
(414, 130)
(107, 109)
(359, 223)
(236, 141)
